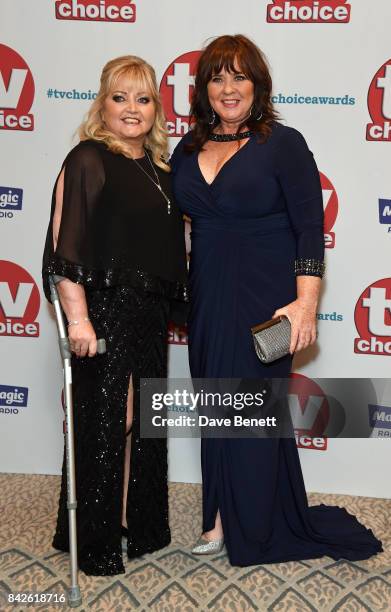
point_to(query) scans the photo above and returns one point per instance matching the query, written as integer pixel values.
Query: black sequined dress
(118, 240)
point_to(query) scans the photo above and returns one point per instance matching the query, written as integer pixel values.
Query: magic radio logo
(176, 88)
(385, 213)
(19, 302)
(308, 11)
(379, 104)
(310, 412)
(12, 398)
(11, 199)
(96, 10)
(372, 317)
(16, 91)
(330, 204)
(380, 420)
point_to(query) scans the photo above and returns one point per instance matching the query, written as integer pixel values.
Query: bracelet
(77, 322)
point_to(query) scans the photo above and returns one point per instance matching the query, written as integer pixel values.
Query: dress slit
(211, 463)
(128, 432)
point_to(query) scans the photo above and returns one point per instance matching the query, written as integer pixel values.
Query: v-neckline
(222, 167)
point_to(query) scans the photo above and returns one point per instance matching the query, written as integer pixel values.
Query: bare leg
(129, 421)
(217, 532)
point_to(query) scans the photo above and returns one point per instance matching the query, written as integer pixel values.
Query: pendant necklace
(157, 182)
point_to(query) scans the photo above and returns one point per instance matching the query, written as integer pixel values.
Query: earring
(249, 113)
(259, 116)
(212, 118)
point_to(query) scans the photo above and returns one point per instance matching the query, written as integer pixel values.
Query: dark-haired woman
(251, 188)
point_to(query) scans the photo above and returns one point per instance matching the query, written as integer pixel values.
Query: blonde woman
(116, 243)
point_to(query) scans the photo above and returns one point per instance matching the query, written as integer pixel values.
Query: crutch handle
(63, 336)
(66, 351)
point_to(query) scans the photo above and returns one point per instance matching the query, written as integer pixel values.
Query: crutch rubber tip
(101, 346)
(74, 597)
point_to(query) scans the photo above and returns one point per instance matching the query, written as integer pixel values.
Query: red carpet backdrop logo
(175, 89)
(379, 104)
(19, 301)
(330, 204)
(308, 11)
(16, 91)
(96, 10)
(310, 412)
(372, 317)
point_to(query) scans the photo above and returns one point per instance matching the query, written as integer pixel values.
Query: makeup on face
(129, 111)
(231, 95)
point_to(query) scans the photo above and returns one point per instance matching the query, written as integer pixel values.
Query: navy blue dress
(261, 216)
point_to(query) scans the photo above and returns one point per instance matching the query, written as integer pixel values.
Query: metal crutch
(74, 594)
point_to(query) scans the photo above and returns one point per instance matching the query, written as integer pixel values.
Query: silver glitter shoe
(203, 547)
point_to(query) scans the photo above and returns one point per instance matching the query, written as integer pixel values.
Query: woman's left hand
(302, 316)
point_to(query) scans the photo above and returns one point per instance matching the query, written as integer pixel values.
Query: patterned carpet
(173, 580)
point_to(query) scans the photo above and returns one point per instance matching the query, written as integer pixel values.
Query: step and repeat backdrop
(331, 67)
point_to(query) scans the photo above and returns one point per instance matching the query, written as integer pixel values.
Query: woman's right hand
(82, 339)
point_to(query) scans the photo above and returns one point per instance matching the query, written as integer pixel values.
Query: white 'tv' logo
(306, 420)
(9, 98)
(326, 193)
(384, 83)
(181, 80)
(377, 304)
(15, 308)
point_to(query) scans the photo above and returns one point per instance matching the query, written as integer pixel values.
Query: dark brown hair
(222, 53)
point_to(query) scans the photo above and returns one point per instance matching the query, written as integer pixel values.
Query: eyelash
(240, 77)
(143, 99)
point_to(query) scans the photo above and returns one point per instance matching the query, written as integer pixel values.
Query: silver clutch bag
(272, 339)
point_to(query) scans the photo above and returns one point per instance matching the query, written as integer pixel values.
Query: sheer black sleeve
(75, 256)
(300, 182)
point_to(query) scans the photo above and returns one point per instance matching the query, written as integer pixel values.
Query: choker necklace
(229, 137)
(157, 182)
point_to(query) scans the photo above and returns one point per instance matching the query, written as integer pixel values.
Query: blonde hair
(139, 71)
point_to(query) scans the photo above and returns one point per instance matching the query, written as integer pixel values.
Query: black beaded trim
(110, 277)
(309, 267)
(229, 137)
